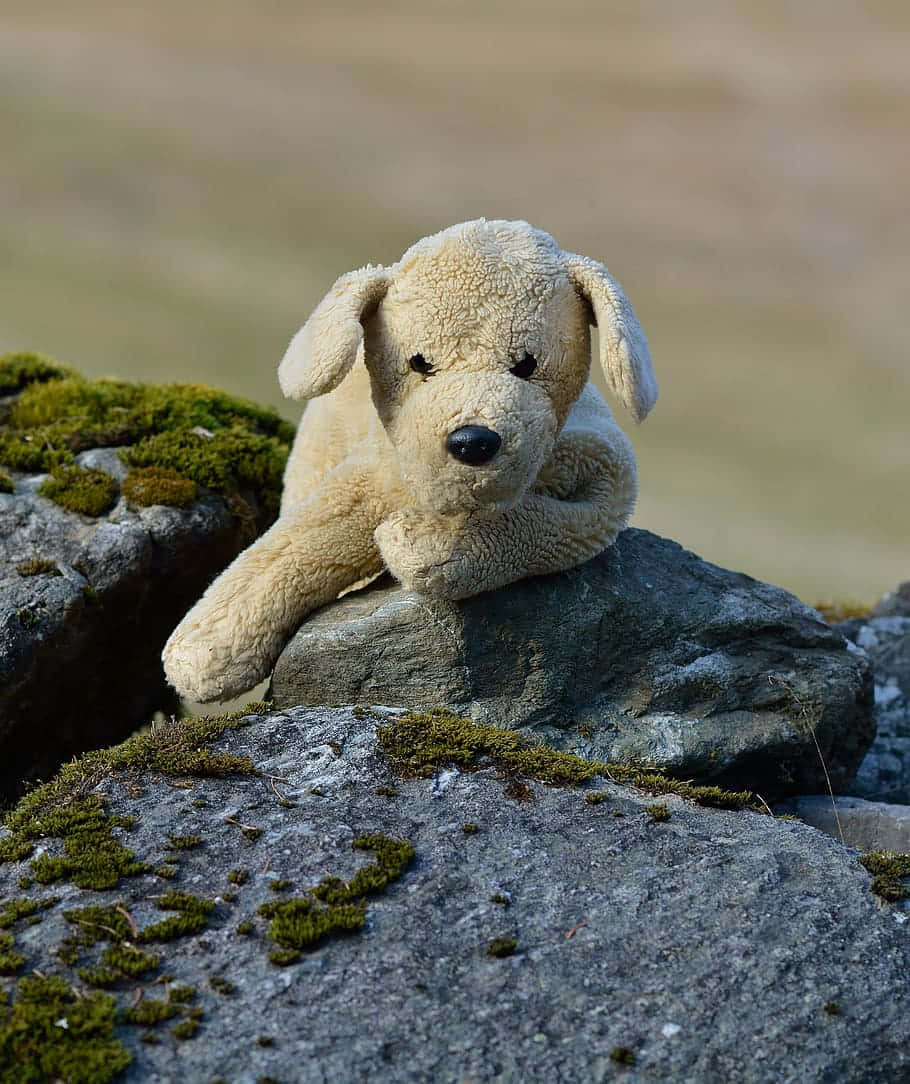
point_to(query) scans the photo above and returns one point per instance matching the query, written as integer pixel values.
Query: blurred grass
(181, 183)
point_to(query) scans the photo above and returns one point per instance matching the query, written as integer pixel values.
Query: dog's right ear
(322, 352)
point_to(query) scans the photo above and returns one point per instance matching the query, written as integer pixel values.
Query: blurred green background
(181, 182)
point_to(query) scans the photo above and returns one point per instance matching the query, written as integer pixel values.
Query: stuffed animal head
(477, 343)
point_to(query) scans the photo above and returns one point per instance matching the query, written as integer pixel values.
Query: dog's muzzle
(473, 444)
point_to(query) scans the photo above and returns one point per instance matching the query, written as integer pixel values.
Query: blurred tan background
(181, 182)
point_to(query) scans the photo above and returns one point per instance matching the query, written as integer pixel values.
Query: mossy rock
(410, 945)
(102, 582)
(24, 367)
(35, 1046)
(199, 435)
(145, 486)
(80, 489)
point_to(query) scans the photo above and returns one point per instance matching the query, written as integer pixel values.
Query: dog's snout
(473, 444)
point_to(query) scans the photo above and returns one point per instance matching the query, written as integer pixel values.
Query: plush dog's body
(485, 455)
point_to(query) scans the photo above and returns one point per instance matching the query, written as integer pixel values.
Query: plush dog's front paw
(203, 666)
(424, 552)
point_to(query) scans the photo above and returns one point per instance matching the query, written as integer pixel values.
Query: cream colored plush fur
(372, 484)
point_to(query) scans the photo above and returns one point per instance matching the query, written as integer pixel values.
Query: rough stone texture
(647, 653)
(80, 652)
(884, 774)
(870, 826)
(895, 603)
(709, 945)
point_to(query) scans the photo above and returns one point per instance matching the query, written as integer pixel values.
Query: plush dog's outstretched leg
(583, 499)
(231, 638)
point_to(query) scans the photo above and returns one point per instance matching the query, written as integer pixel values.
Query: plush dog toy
(485, 455)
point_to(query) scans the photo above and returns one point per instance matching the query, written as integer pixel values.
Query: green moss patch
(105, 946)
(889, 868)
(92, 856)
(176, 437)
(91, 925)
(150, 1011)
(12, 912)
(420, 744)
(502, 946)
(623, 1055)
(192, 916)
(7, 485)
(80, 489)
(184, 843)
(145, 486)
(38, 566)
(119, 962)
(334, 906)
(224, 461)
(10, 961)
(68, 809)
(24, 367)
(188, 1027)
(36, 1046)
(183, 748)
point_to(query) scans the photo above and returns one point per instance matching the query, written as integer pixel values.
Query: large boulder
(103, 549)
(647, 654)
(472, 924)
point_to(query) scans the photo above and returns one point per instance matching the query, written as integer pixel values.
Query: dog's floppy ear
(322, 352)
(624, 352)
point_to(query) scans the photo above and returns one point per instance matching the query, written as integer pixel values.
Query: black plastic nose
(473, 444)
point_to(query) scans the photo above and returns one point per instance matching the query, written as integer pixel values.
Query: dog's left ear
(322, 352)
(624, 352)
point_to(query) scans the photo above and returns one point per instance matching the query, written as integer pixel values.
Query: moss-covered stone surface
(424, 743)
(398, 944)
(644, 655)
(124, 501)
(201, 435)
(145, 486)
(22, 368)
(80, 489)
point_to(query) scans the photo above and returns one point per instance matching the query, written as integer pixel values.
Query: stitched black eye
(525, 367)
(420, 364)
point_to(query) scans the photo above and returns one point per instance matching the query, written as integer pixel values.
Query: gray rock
(80, 650)
(884, 774)
(895, 603)
(645, 654)
(709, 945)
(870, 826)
